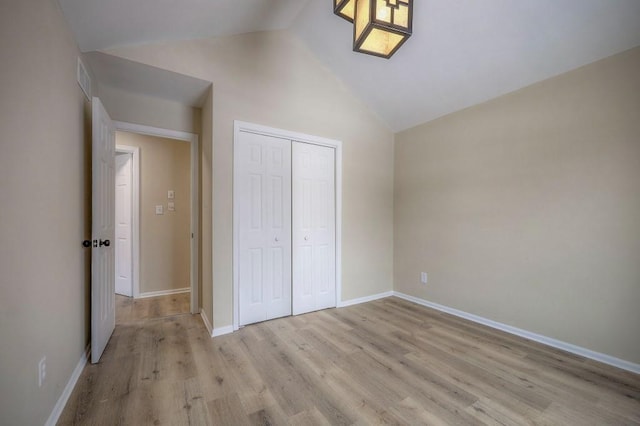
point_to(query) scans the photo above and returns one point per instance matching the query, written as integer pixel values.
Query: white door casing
(314, 227)
(263, 166)
(102, 230)
(124, 224)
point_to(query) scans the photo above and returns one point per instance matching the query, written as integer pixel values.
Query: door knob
(105, 243)
(276, 238)
(306, 237)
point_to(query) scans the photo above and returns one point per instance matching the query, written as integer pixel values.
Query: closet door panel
(313, 227)
(252, 212)
(264, 244)
(278, 235)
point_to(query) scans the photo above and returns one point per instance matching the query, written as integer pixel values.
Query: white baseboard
(215, 332)
(345, 303)
(559, 344)
(66, 392)
(163, 292)
(220, 331)
(206, 322)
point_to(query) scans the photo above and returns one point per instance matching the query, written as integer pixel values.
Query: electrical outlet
(423, 277)
(42, 371)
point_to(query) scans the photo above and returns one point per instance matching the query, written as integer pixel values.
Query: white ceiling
(462, 52)
(102, 24)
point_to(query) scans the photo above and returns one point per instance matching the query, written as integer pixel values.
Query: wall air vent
(84, 80)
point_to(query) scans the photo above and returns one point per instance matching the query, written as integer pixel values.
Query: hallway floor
(129, 309)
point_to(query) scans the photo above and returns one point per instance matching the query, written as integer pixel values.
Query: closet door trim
(241, 126)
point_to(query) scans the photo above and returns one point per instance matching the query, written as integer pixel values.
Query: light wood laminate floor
(129, 309)
(382, 362)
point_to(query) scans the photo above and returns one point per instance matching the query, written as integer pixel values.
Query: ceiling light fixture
(344, 9)
(380, 27)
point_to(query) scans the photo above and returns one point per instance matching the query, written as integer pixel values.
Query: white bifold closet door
(314, 228)
(285, 194)
(264, 183)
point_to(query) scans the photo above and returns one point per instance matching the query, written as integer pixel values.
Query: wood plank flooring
(129, 309)
(383, 362)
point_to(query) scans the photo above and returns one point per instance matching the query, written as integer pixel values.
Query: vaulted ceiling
(461, 53)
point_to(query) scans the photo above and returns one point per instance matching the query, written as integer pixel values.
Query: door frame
(195, 189)
(135, 215)
(242, 126)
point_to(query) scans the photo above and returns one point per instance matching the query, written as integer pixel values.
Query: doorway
(126, 213)
(157, 171)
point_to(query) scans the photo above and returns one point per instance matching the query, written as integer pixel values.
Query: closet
(285, 230)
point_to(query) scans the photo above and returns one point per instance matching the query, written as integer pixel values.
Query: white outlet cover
(160, 209)
(171, 194)
(171, 206)
(423, 277)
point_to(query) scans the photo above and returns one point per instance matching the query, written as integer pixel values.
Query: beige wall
(273, 80)
(140, 109)
(165, 242)
(45, 215)
(526, 209)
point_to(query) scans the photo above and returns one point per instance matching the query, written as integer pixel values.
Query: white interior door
(263, 197)
(314, 227)
(123, 221)
(102, 231)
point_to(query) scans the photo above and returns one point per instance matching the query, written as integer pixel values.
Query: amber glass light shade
(344, 9)
(381, 26)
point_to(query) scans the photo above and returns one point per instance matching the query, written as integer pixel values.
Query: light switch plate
(159, 210)
(171, 206)
(171, 194)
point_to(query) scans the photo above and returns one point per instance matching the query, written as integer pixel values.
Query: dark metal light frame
(344, 9)
(374, 23)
